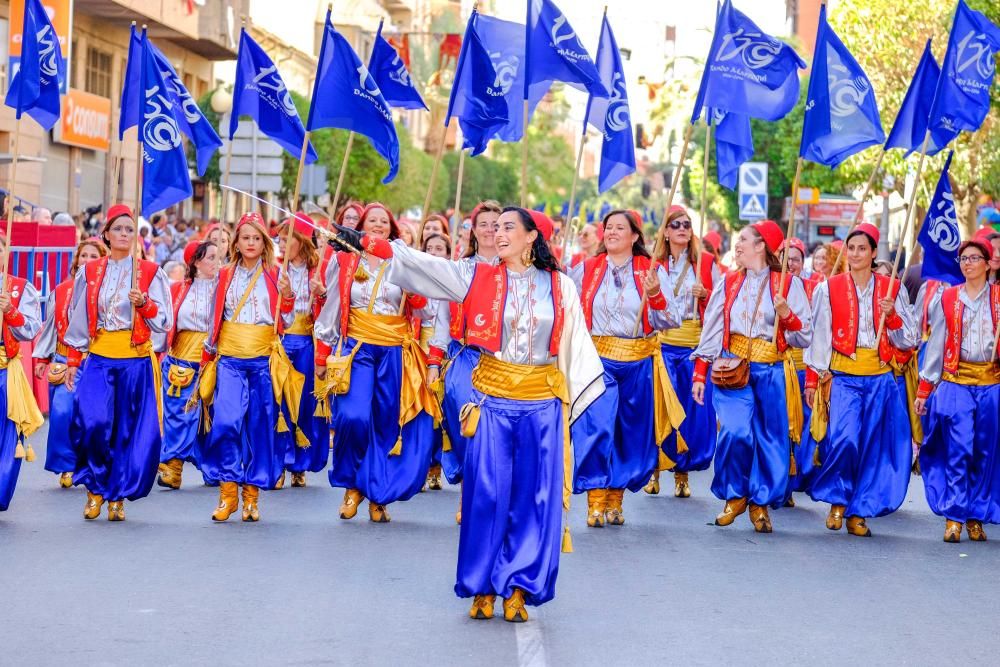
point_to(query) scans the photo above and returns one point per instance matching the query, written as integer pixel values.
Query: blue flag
(554, 53)
(504, 41)
(841, 116)
(747, 70)
(963, 94)
(346, 96)
(165, 178)
(610, 115)
(131, 83)
(910, 128)
(34, 90)
(733, 145)
(476, 101)
(939, 234)
(260, 93)
(564, 211)
(390, 75)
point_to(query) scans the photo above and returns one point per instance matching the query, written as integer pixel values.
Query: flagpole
(524, 161)
(138, 205)
(704, 199)
(861, 209)
(906, 229)
(10, 205)
(572, 198)
(340, 178)
(295, 207)
(458, 203)
(425, 211)
(790, 234)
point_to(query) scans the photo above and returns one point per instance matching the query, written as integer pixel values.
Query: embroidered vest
(94, 272)
(733, 282)
(954, 309)
(178, 292)
(64, 299)
(594, 270)
(270, 278)
(845, 316)
(930, 289)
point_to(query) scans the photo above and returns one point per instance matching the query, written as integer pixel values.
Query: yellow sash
(765, 352)
(302, 325)
(426, 333)
(911, 376)
(974, 374)
(395, 331)
(62, 349)
(118, 345)
(668, 413)
(686, 335)
(865, 362)
(188, 345)
(21, 406)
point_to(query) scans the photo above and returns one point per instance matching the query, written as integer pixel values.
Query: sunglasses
(679, 224)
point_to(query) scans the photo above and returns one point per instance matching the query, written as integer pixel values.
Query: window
(98, 72)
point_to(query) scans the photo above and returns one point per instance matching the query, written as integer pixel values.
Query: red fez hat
(543, 223)
(117, 211)
(714, 239)
(837, 244)
(771, 233)
(868, 229)
(796, 243)
(980, 243)
(677, 209)
(189, 251)
(304, 224)
(251, 217)
(986, 233)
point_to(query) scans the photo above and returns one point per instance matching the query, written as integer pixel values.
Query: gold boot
(228, 501)
(513, 607)
(377, 513)
(614, 514)
(298, 480)
(482, 607)
(681, 487)
(760, 519)
(281, 482)
(835, 519)
(733, 509)
(349, 508)
(251, 494)
(170, 474)
(116, 510)
(952, 531)
(856, 526)
(653, 486)
(92, 509)
(596, 503)
(976, 532)
(434, 478)
(66, 480)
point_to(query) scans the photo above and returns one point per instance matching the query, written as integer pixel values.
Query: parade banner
(939, 235)
(910, 127)
(35, 87)
(733, 145)
(610, 115)
(60, 12)
(392, 77)
(478, 104)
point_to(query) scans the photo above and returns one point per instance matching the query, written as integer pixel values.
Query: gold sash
(865, 362)
(302, 325)
(426, 333)
(21, 406)
(974, 374)
(118, 345)
(911, 376)
(188, 346)
(688, 334)
(668, 413)
(765, 352)
(62, 349)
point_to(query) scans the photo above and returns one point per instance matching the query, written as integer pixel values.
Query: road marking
(530, 644)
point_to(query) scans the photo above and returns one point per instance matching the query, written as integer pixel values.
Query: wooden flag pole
(425, 211)
(340, 178)
(10, 205)
(458, 203)
(568, 227)
(859, 214)
(138, 205)
(704, 200)
(791, 233)
(286, 256)
(524, 161)
(910, 210)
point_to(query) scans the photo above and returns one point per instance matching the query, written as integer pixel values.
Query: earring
(528, 256)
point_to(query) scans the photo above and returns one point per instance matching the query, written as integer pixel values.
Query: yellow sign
(85, 121)
(807, 196)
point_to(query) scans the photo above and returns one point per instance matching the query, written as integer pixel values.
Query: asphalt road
(169, 587)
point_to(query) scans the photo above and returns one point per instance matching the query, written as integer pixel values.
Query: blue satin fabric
(366, 428)
(301, 351)
(242, 445)
(614, 440)
(959, 457)
(59, 456)
(805, 449)
(438, 447)
(699, 428)
(180, 429)
(457, 392)
(865, 458)
(116, 428)
(752, 458)
(10, 467)
(512, 501)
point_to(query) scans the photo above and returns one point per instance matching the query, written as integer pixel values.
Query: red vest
(270, 277)
(593, 273)
(845, 315)
(348, 263)
(94, 272)
(484, 306)
(178, 291)
(733, 282)
(930, 289)
(64, 299)
(16, 290)
(953, 310)
(457, 323)
(810, 284)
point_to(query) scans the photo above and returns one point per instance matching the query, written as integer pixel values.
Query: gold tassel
(322, 409)
(360, 274)
(682, 446)
(664, 462)
(282, 426)
(19, 452)
(793, 468)
(567, 541)
(445, 441)
(29, 454)
(300, 438)
(397, 449)
(816, 461)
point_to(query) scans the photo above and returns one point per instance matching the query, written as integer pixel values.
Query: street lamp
(221, 101)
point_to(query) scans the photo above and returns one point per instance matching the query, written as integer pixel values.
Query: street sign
(807, 195)
(257, 160)
(314, 180)
(753, 207)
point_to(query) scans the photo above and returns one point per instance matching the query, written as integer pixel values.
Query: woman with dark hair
(383, 410)
(691, 447)
(858, 419)
(960, 395)
(117, 412)
(751, 375)
(50, 350)
(312, 454)
(617, 441)
(192, 306)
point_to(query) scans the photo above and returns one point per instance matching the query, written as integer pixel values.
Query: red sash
(733, 282)
(270, 277)
(953, 312)
(594, 270)
(94, 272)
(845, 316)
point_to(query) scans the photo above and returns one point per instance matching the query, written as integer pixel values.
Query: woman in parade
(303, 266)
(747, 367)
(51, 350)
(384, 412)
(537, 372)
(192, 307)
(434, 224)
(116, 428)
(960, 395)
(350, 215)
(692, 447)
(245, 374)
(433, 338)
(858, 417)
(617, 440)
